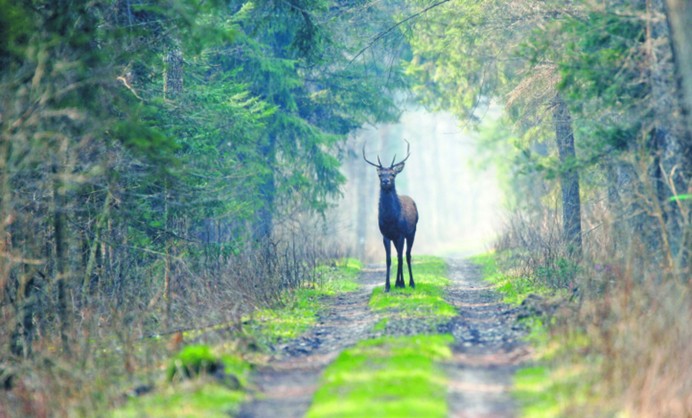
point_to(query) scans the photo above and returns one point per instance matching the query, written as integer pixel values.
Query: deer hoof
(413, 285)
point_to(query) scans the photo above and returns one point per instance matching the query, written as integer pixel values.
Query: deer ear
(397, 168)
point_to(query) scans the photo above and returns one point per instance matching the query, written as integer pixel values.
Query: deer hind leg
(399, 244)
(388, 250)
(409, 244)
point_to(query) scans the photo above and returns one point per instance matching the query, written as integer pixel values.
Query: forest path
(488, 346)
(286, 384)
(487, 349)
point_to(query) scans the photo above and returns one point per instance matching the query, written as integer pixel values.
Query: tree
(479, 53)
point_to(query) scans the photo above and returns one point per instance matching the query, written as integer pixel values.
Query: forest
(176, 177)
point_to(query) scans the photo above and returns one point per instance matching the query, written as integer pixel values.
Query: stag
(398, 217)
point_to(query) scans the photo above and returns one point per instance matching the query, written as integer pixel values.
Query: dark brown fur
(398, 217)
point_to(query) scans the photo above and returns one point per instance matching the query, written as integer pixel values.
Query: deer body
(398, 216)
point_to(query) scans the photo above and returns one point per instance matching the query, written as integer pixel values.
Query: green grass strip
(426, 300)
(386, 377)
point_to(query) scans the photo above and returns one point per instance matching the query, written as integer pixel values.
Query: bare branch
(396, 25)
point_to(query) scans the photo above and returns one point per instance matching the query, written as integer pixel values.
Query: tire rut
(487, 349)
(488, 346)
(285, 386)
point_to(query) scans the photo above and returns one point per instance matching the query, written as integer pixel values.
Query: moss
(192, 361)
(381, 324)
(386, 377)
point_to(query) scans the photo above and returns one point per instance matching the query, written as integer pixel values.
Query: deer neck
(390, 207)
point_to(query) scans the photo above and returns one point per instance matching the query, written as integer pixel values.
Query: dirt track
(486, 351)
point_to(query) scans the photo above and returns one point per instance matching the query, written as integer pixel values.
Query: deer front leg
(388, 250)
(409, 244)
(399, 244)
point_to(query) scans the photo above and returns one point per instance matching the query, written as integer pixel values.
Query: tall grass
(629, 299)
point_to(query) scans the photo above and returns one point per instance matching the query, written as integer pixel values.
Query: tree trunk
(173, 74)
(60, 252)
(267, 191)
(678, 16)
(665, 173)
(569, 177)
(22, 335)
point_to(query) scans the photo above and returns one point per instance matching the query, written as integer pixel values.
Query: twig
(396, 25)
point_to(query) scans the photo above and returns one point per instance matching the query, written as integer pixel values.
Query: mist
(459, 202)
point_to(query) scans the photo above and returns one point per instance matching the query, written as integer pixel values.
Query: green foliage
(680, 197)
(425, 301)
(602, 80)
(386, 377)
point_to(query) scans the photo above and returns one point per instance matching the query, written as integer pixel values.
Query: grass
(196, 397)
(425, 301)
(386, 377)
(544, 389)
(512, 288)
(339, 277)
(552, 392)
(299, 313)
(193, 399)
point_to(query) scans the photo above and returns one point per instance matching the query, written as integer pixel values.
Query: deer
(398, 217)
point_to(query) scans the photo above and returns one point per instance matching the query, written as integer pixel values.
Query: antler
(408, 154)
(371, 163)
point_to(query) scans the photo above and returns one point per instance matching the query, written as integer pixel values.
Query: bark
(267, 192)
(23, 332)
(93, 247)
(59, 225)
(665, 173)
(569, 177)
(678, 16)
(173, 75)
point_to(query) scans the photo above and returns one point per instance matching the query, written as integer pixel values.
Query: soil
(488, 346)
(487, 349)
(284, 387)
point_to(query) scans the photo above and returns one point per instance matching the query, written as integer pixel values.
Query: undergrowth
(208, 384)
(211, 381)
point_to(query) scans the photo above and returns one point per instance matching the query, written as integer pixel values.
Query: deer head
(387, 174)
